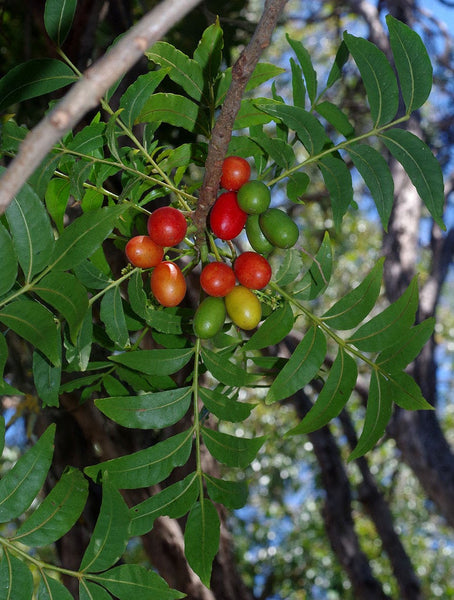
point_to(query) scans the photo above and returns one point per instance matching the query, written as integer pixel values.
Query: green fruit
(209, 317)
(254, 197)
(279, 229)
(256, 236)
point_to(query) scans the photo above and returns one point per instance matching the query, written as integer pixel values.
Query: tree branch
(87, 92)
(222, 130)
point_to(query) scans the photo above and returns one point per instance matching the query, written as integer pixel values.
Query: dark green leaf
(131, 582)
(296, 186)
(181, 69)
(175, 110)
(47, 379)
(57, 513)
(111, 533)
(412, 63)
(16, 581)
(85, 235)
(56, 198)
(338, 181)
(90, 276)
(317, 278)
(375, 171)
(20, 485)
(298, 87)
(333, 397)
(278, 150)
(2, 432)
(201, 538)
(301, 367)
(378, 413)
(137, 94)
(155, 362)
(263, 72)
(273, 329)
(232, 494)
(401, 354)
(406, 393)
(89, 141)
(231, 450)
(79, 354)
(421, 166)
(33, 78)
(9, 261)
(349, 311)
(225, 407)
(226, 371)
(52, 589)
(389, 326)
(288, 267)
(40, 179)
(336, 70)
(67, 295)
(305, 61)
(145, 467)
(58, 18)
(336, 118)
(175, 501)
(90, 591)
(147, 411)
(31, 231)
(36, 324)
(250, 114)
(113, 317)
(378, 77)
(208, 53)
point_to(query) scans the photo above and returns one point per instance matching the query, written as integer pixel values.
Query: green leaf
(232, 494)
(34, 78)
(296, 186)
(16, 581)
(31, 231)
(36, 324)
(111, 533)
(226, 371)
(147, 411)
(57, 513)
(135, 97)
(145, 467)
(378, 413)
(175, 501)
(273, 329)
(89, 140)
(90, 591)
(225, 407)
(52, 589)
(309, 130)
(90, 276)
(349, 311)
(263, 72)
(113, 317)
(412, 63)
(231, 450)
(181, 69)
(406, 393)
(336, 117)
(56, 199)
(333, 397)
(305, 61)
(338, 181)
(40, 179)
(317, 278)
(389, 326)
(2, 432)
(175, 110)
(201, 538)
(67, 295)
(208, 53)
(130, 582)
(9, 261)
(378, 77)
(250, 114)
(20, 485)
(298, 87)
(46, 378)
(301, 367)
(340, 59)
(278, 150)
(401, 354)
(421, 166)
(79, 354)
(84, 236)
(289, 267)
(155, 362)
(375, 171)
(58, 18)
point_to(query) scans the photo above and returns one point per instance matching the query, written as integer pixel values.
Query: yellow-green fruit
(243, 307)
(209, 317)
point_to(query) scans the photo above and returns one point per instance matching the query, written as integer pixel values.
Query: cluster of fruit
(244, 205)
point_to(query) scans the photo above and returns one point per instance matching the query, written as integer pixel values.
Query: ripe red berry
(167, 226)
(252, 270)
(226, 217)
(217, 279)
(142, 252)
(235, 172)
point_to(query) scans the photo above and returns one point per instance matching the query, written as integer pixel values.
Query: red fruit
(235, 172)
(168, 283)
(167, 226)
(142, 252)
(252, 270)
(217, 279)
(226, 217)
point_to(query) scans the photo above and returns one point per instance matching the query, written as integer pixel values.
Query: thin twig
(88, 91)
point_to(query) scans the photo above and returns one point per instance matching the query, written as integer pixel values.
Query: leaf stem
(197, 424)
